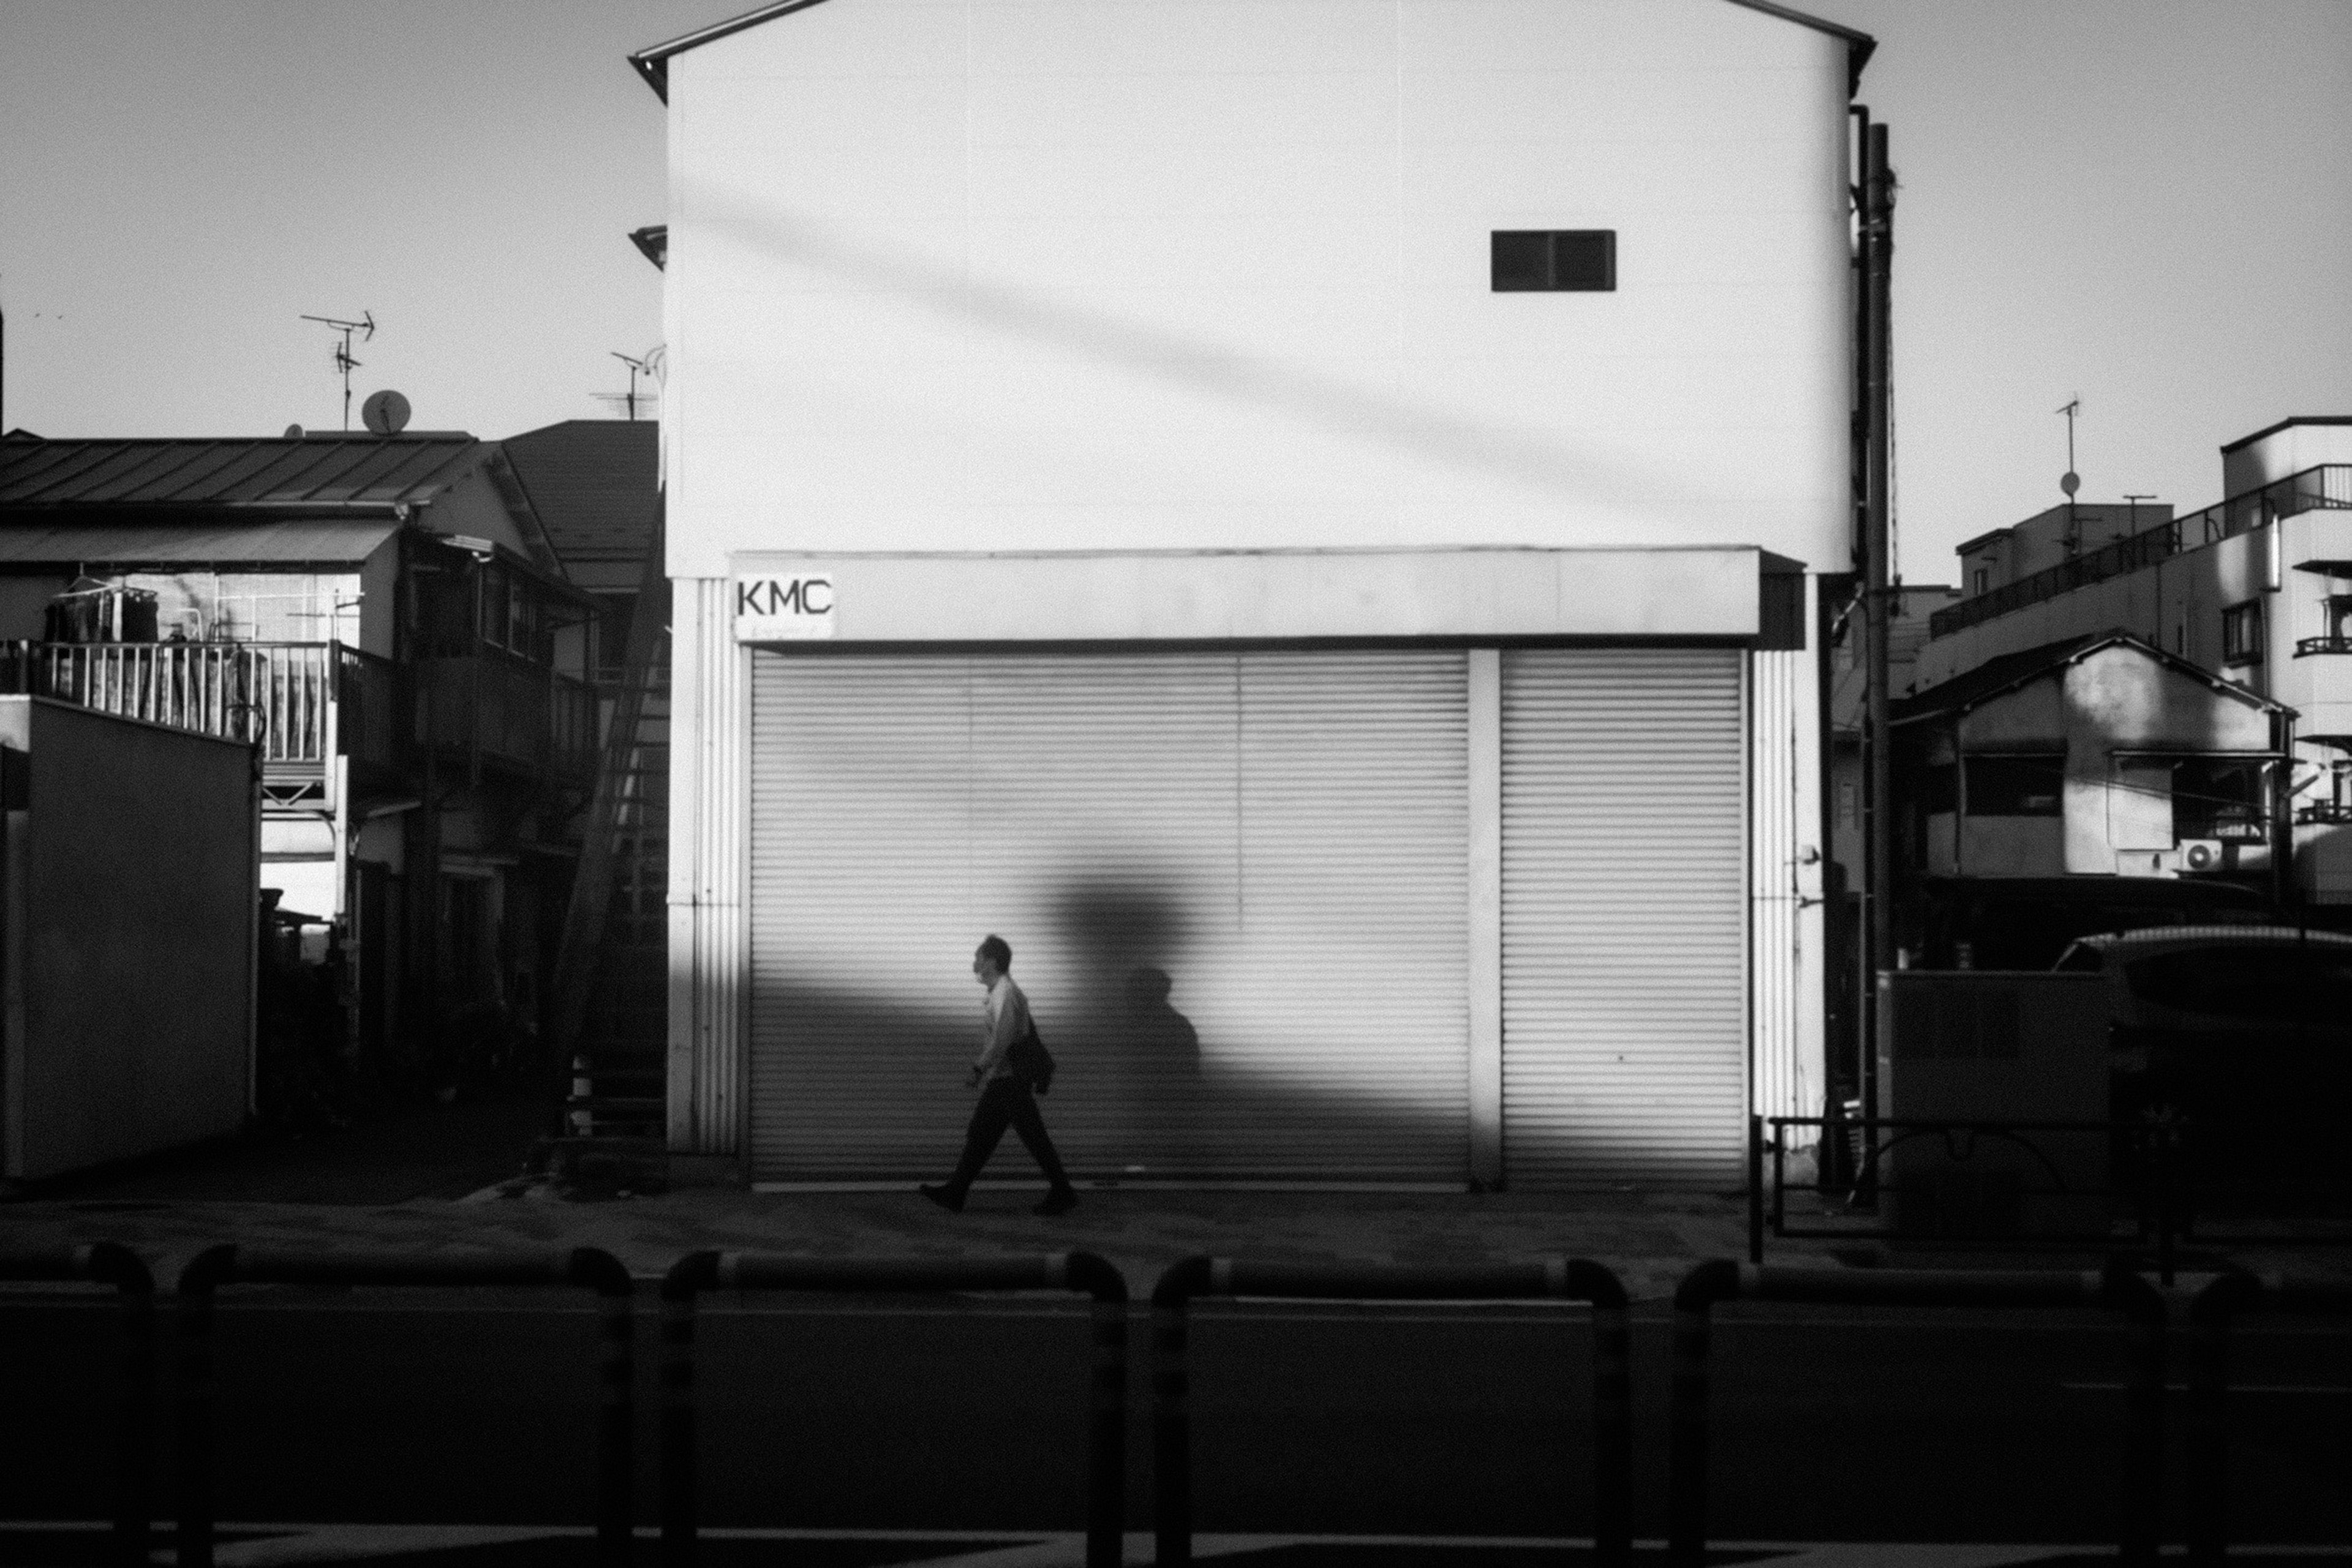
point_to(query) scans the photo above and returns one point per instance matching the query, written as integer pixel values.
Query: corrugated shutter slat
(1624, 944)
(1281, 834)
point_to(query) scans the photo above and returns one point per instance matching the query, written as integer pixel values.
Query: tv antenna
(2070, 482)
(365, 327)
(649, 365)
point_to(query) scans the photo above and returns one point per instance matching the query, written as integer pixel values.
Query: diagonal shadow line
(1579, 471)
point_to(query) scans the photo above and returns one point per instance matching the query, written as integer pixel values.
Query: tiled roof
(594, 485)
(2010, 670)
(70, 542)
(321, 473)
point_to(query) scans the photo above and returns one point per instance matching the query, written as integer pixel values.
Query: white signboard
(783, 607)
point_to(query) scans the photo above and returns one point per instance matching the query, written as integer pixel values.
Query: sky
(2146, 205)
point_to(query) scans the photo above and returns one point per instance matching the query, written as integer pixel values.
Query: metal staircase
(611, 974)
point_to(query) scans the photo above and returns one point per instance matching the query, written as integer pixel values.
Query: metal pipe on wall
(1878, 255)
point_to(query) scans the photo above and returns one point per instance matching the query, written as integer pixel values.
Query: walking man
(1005, 1097)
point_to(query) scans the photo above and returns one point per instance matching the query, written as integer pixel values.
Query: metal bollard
(1686, 1482)
(2118, 1288)
(1080, 1271)
(110, 1263)
(583, 1266)
(1574, 1278)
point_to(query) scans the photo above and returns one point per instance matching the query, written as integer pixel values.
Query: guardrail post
(1107, 1410)
(1612, 1410)
(1687, 1429)
(134, 1424)
(616, 1404)
(1171, 1411)
(2208, 1450)
(2143, 1501)
(198, 1279)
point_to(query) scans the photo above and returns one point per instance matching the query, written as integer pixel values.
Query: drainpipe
(1877, 252)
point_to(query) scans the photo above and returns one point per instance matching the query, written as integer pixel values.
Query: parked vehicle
(2244, 1034)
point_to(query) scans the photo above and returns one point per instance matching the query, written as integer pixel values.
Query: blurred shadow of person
(1005, 1099)
(1158, 1031)
(1165, 1088)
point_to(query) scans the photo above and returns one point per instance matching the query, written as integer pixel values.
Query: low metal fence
(1572, 1278)
(2041, 1150)
(2156, 1190)
(578, 1268)
(1083, 1272)
(2116, 1290)
(105, 1263)
(2211, 1315)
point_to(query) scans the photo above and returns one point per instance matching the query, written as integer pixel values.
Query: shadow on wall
(1221, 371)
(857, 1083)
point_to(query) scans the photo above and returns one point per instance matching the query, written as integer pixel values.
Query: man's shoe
(1061, 1200)
(947, 1197)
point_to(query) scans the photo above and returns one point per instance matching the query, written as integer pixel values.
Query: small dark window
(2242, 633)
(2016, 785)
(2219, 797)
(1555, 260)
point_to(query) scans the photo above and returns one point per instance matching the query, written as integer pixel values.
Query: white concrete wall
(2284, 452)
(1083, 274)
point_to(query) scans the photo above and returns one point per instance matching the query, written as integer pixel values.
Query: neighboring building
(128, 958)
(2258, 587)
(2100, 757)
(1911, 605)
(1301, 521)
(383, 617)
(594, 487)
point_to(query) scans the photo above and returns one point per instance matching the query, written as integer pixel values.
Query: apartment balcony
(2328, 487)
(2307, 647)
(493, 709)
(301, 705)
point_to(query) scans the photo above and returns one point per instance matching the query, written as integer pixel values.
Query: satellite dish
(293, 433)
(2068, 481)
(385, 411)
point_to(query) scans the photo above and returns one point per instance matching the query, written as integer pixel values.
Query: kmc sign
(774, 609)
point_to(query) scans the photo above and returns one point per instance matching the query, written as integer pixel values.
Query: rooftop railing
(298, 702)
(2327, 486)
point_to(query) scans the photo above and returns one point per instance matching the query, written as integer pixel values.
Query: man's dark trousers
(1005, 1102)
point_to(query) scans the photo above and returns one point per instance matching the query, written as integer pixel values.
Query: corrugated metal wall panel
(1625, 935)
(1234, 884)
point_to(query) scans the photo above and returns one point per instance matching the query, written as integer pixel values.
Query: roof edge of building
(2292, 420)
(651, 63)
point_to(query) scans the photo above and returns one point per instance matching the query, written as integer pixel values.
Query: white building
(1294, 514)
(2257, 588)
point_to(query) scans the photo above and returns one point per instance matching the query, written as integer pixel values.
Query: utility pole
(1877, 943)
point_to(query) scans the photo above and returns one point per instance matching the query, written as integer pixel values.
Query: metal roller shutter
(1624, 933)
(1234, 884)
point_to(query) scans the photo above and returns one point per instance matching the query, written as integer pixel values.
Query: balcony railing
(2326, 812)
(2305, 647)
(510, 711)
(2327, 486)
(284, 697)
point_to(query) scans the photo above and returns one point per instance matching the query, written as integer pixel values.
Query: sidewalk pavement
(1650, 1240)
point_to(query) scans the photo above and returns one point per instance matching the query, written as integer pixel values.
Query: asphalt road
(466, 1408)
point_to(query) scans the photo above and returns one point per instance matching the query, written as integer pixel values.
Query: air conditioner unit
(2200, 855)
